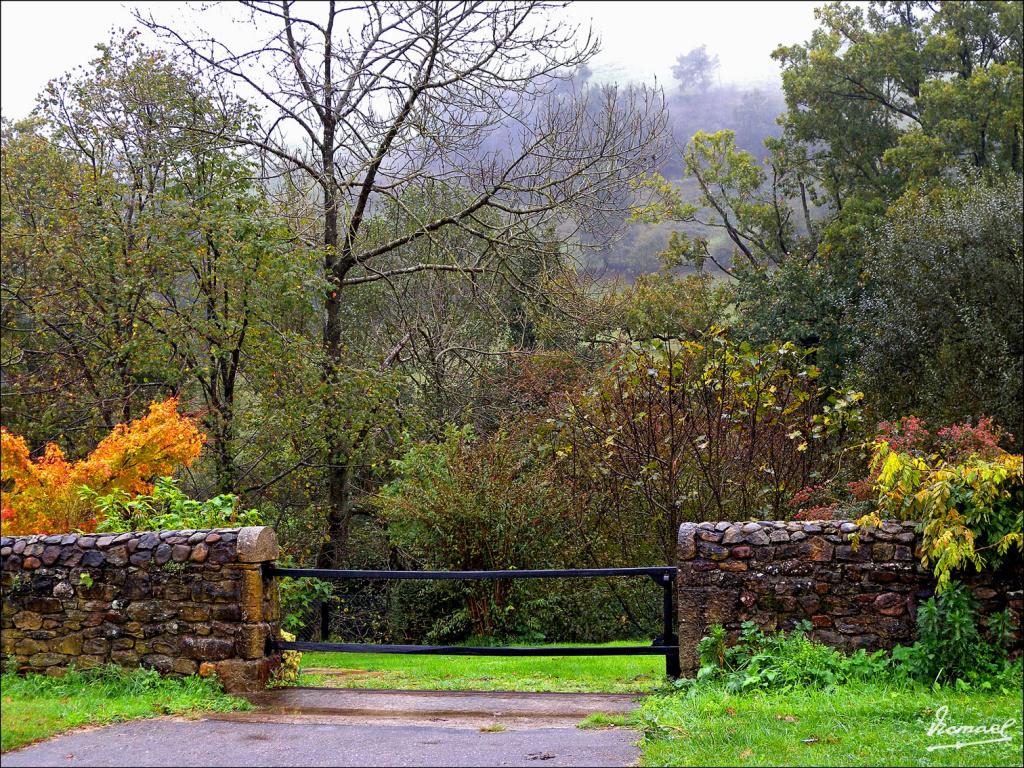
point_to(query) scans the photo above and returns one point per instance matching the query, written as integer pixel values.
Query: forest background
(436, 299)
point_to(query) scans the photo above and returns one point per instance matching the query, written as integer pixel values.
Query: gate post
(689, 611)
(672, 670)
(259, 613)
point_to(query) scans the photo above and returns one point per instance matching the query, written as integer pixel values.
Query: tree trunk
(333, 550)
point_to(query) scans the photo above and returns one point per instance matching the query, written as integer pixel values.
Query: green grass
(35, 707)
(600, 720)
(593, 674)
(857, 724)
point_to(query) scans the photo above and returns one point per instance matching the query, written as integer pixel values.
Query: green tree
(941, 326)
(80, 356)
(142, 257)
(695, 70)
(477, 504)
(881, 101)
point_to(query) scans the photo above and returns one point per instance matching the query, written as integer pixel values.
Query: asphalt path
(323, 727)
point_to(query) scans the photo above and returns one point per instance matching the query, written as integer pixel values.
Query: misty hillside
(696, 101)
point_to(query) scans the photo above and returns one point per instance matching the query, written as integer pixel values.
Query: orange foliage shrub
(42, 495)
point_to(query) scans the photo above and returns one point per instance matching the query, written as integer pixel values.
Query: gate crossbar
(666, 644)
(657, 572)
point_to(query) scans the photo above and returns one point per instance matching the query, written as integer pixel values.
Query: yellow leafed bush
(971, 510)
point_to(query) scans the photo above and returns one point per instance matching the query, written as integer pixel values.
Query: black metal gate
(666, 644)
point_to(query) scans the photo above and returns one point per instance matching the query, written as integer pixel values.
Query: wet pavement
(332, 726)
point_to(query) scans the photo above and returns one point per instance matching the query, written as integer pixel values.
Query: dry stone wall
(183, 602)
(778, 573)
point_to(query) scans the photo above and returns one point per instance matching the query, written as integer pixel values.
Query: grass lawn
(35, 707)
(607, 674)
(858, 724)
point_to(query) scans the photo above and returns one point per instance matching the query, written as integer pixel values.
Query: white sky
(42, 40)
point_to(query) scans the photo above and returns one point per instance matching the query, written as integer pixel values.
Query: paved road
(315, 727)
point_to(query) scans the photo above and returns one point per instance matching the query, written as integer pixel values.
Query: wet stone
(207, 648)
(733, 565)
(141, 557)
(117, 555)
(757, 538)
(162, 554)
(733, 535)
(93, 559)
(71, 556)
(712, 551)
(63, 590)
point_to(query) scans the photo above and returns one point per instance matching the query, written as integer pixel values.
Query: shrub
(950, 645)
(42, 495)
(301, 600)
(678, 430)
(166, 508)
(941, 316)
(760, 661)
(288, 672)
(952, 443)
(950, 649)
(971, 511)
(469, 504)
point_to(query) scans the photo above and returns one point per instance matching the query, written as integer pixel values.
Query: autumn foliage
(43, 495)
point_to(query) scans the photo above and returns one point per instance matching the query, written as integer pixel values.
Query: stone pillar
(699, 602)
(259, 614)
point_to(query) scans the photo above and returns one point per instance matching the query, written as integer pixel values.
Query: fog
(640, 40)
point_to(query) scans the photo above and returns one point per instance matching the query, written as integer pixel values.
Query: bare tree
(371, 100)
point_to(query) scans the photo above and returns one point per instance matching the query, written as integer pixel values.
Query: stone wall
(178, 601)
(778, 573)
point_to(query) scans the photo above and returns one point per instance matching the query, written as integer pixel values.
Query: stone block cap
(257, 544)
